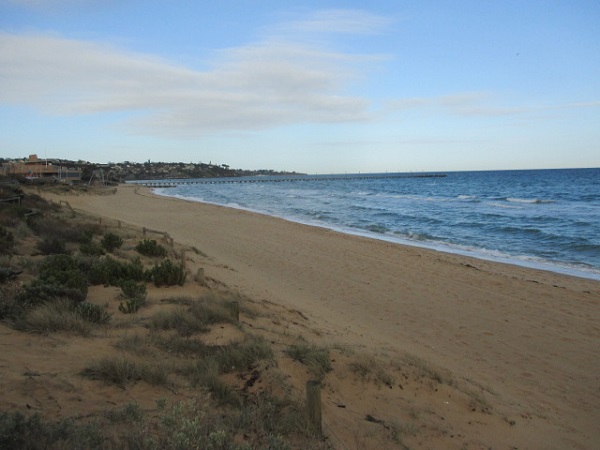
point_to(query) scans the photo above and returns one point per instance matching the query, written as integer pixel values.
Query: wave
(375, 228)
(503, 205)
(472, 198)
(528, 200)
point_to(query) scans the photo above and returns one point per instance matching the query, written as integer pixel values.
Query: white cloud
(252, 87)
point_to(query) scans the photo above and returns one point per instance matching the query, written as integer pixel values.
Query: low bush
(132, 289)
(38, 292)
(54, 264)
(7, 274)
(135, 294)
(132, 412)
(52, 246)
(7, 241)
(91, 249)
(58, 229)
(59, 278)
(109, 271)
(111, 242)
(63, 270)
(166, 274)
(18, 431)
(91, 312)
(132, 305)
(149, 247)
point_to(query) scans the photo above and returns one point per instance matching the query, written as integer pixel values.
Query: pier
(178, 182)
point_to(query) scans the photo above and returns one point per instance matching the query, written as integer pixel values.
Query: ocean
(545, 219)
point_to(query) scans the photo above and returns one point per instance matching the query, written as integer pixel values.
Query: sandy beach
(529, 339)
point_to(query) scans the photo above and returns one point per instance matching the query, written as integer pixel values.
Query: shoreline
(527, 262)
(529, 337)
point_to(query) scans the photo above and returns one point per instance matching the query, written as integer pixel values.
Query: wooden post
(313, 404)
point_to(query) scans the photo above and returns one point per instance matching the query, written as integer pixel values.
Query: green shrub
(7, 274)
(57, 229)
(58, 263)
(52, 246)
(111, 242)
(109, 271)
(91, 249)
(18, 431)
(132, 412)
(166, 274)
(149, 247)
(40, 291)
(63, 270)
(7, 241)
(135, 293)
(59, 277)
(132, 305)
(10, 306)
(132, 289)
(93, 313)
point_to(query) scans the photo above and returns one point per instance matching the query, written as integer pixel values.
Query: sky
(313, 86)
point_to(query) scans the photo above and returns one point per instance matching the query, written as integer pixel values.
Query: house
(33, 168)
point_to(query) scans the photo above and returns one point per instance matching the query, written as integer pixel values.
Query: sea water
(548, 219)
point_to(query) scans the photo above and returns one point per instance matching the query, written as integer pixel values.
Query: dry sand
(530, 339)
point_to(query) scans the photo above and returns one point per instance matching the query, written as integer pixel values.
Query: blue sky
(317, 87)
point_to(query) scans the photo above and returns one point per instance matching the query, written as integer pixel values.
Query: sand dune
(529, 338)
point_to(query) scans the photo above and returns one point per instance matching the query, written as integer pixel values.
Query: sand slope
(529, 338)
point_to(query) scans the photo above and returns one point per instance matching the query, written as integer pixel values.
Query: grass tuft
(117, 371)
(58, 315)
(315, 358)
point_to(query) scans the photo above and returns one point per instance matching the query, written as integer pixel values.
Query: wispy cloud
(53, 5)
(478, 104)
(341, 21)
(269, 83)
